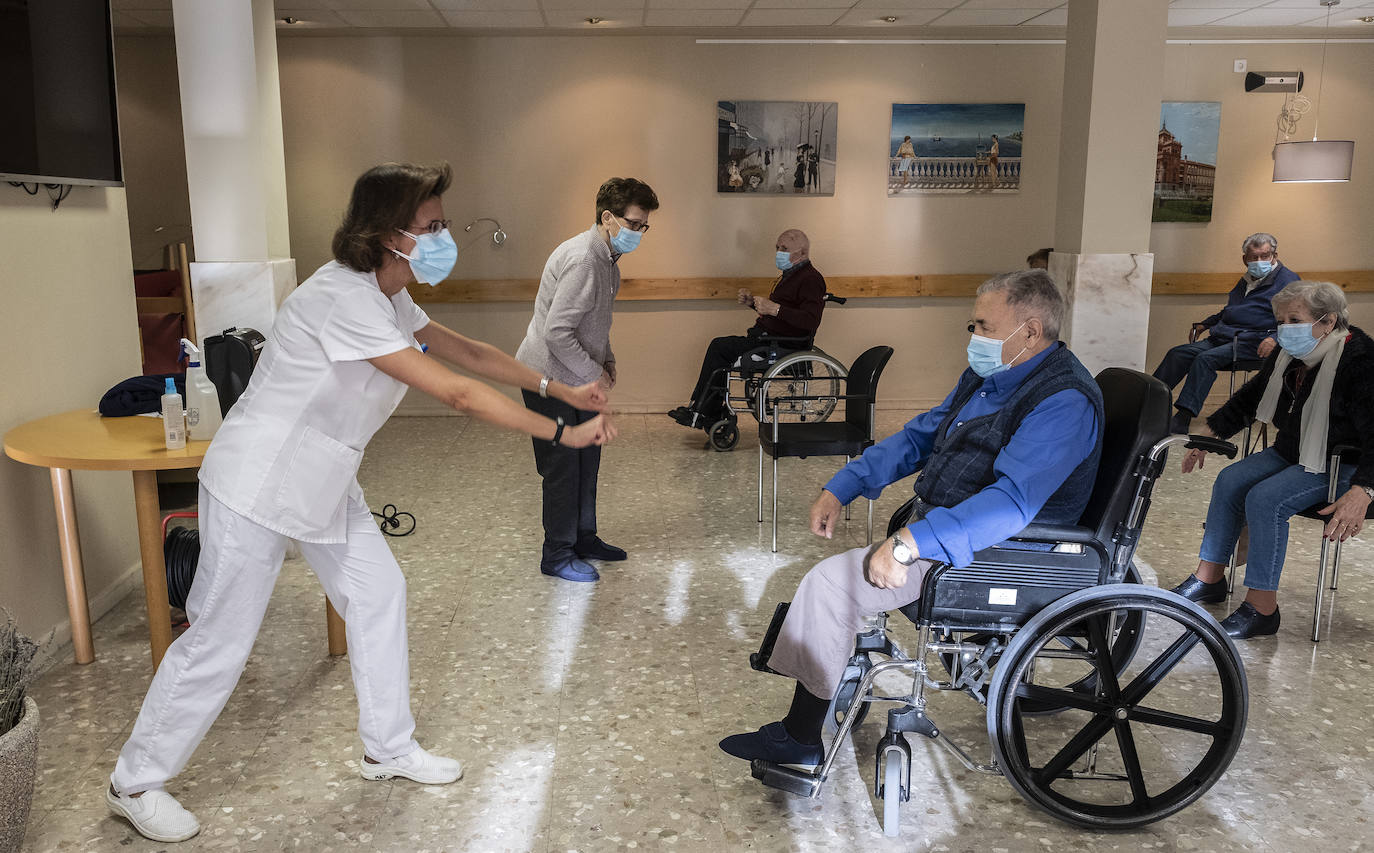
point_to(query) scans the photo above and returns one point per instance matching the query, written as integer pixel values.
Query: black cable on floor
(392, 520)
(181, 551)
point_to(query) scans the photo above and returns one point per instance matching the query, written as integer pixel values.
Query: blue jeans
(1197, 364)
(1263, 491)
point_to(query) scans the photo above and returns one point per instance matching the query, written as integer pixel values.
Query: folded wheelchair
(1108, 704)
(793, 367)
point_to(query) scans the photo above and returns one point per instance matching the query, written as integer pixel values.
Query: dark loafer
(1180, 422)
(572, 570)
(1248, 622)
(1203, 593)
(685, 416)
(599, 550)
(773, 744)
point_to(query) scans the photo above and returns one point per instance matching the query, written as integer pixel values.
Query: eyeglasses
(435, 226)
(634, 224)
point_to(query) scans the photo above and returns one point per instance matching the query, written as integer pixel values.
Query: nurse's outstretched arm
(487, 361)
(484, 402)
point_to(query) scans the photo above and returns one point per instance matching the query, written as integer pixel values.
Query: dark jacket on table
(800, 294)
(1249, 317)
(1352, 405)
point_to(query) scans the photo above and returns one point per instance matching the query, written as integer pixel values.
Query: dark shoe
(599, 550)
(686, 416)
(1179, 423)
(1203, 593)
(572, 570)
(1248, 622)
(773, 744)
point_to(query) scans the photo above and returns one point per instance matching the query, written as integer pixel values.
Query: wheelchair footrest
(759, 659)
(787, 779)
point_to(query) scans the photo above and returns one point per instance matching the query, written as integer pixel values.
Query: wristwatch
(557, 433)
(544, 387)
(901, 552)
(1369, 490)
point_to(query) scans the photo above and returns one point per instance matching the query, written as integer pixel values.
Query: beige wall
(68, 292)
(532, 125)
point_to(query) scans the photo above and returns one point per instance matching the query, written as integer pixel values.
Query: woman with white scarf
(1317, 391)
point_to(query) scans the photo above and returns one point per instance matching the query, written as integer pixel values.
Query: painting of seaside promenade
(955, 149)
(776, 147)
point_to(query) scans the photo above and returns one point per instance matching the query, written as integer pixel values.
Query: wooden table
(83, 440)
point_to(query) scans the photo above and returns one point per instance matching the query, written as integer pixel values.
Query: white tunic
(287, 455)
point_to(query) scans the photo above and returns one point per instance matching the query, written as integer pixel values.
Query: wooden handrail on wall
(870, 286)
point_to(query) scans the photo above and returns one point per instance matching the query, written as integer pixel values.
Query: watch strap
(557, 433)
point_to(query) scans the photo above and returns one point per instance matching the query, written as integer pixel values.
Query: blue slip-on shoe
(572, 569)
(1248, 622)
(773, 744)
(599, 550)
(1201, 591)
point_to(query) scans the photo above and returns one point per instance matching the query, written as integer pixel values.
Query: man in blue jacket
(1017, 440)
(1244, 329)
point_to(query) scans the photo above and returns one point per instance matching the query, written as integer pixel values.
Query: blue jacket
(1249, 317)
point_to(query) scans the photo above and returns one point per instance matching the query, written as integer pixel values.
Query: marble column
(1113, 83)
(236, 174)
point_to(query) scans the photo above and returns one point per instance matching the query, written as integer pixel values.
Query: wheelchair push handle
(838, 300)
(1208, 444)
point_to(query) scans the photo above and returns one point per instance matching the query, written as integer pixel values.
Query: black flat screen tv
(59, 123)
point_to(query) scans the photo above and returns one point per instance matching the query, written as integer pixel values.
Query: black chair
(1333, 467)
(847, 437)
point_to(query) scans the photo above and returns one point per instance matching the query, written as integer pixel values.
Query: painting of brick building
(1185, 161)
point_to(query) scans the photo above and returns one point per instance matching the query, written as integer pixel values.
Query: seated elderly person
(792, 310)
(1241, 330)
(1317, 390)
(1017, 440)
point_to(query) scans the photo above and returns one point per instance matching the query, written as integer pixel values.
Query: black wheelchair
(1108, 704)
(785, 367)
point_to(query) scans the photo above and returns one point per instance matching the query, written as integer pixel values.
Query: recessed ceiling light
(288, 20)
(1368, 19)
(891, 19)
(594, 21)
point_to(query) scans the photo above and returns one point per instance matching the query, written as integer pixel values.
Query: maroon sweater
(800, 294)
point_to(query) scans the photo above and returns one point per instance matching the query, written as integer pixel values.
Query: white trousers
(238, 568)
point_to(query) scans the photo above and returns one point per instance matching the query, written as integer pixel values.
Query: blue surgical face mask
(1296, 338)
(784, 261)
(625, 240)
(433, 257)
(985, 354)
(1259, 269)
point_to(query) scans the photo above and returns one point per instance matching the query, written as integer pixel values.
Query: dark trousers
(708, 397)
(569, 484)
(1198, 363)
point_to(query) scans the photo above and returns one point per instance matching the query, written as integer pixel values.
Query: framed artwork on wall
(1186, 161)
(955, 149)
(776, 147)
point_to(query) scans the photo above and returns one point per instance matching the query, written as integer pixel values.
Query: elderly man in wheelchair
(988, 559)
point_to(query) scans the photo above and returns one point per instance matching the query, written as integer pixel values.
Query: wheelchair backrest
(1135, 409)
(863, 379)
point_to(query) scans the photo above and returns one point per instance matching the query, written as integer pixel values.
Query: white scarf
(1316, 412)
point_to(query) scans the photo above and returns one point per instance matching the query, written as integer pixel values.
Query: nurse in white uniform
(344, 349)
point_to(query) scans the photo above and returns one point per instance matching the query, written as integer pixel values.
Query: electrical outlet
(1240, 66)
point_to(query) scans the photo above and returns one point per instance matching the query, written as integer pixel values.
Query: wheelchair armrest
(779, 339)
(1057, 533)
(1209, 444)
(838, 300)
(820, 397)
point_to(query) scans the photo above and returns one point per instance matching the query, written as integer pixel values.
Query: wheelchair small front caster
(724, 434)
(893, 779)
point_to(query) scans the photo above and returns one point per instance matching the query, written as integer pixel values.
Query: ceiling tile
(693, 18)
(1216, 4)
(791, 17)
(803, 4)
(378, 5)
(593, 7)
(309, 19)
(1009, 4)
(613, 19)
(485, 5)
(1268, 18)
(481, 18)
(985, 17)
(1198, 17)
(907, 4)
(1311, 5)
(302, 6)
(699, 4)
(1051, 18)
(874, 17)
(392, 18)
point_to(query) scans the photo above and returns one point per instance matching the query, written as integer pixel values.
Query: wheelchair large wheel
(858, 667)
(1148, 740)
(975, 680)
(805, 373)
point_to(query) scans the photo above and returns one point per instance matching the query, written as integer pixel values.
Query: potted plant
(18, 732)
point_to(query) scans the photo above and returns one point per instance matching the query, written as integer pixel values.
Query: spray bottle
(202, 401)
(173, 417)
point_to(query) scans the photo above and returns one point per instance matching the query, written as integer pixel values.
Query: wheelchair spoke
(1126, 740)
(1102, 653)
(1169, 719)
(1060, 698)
(1161, 666)
(1073, 750)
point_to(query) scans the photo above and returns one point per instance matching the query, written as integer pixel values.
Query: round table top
(85, 441)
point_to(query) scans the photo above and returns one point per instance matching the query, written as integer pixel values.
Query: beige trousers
(833, 602)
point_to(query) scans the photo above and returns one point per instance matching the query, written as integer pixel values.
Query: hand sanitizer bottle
(202, 401)
(173, 418)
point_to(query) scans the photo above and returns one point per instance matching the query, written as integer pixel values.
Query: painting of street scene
(776, 147)
(955, 149)
(1186, 161)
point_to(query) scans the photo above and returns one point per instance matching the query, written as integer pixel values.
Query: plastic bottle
(202, 401)
(173, 418)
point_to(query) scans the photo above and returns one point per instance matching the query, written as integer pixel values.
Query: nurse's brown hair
(385, 199)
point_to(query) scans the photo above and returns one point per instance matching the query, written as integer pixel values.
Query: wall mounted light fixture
(498, 236)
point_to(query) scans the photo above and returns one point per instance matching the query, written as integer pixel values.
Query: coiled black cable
(181, 552)
(392, 520)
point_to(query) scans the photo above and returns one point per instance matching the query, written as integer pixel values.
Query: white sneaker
(418, 766)
(155, 814)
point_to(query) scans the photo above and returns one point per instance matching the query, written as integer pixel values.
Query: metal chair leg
(1231, 574)
(775, 504)
(1336, 564)
(870, 521)
(1321, 588)
(760, 484)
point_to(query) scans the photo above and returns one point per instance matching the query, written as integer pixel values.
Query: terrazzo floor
(587, 715)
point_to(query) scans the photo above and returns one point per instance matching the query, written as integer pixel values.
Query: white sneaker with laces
(155, 814)
(418, 766)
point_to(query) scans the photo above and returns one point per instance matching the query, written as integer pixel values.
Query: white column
(1113, 83)
(236, 174)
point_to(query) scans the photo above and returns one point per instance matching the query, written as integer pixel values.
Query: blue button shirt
(1050, 443)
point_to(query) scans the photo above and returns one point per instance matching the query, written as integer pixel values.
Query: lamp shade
(1313, 162)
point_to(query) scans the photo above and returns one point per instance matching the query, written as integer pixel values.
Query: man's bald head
(795, 242)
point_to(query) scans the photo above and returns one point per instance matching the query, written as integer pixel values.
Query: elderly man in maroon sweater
(792, 310)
